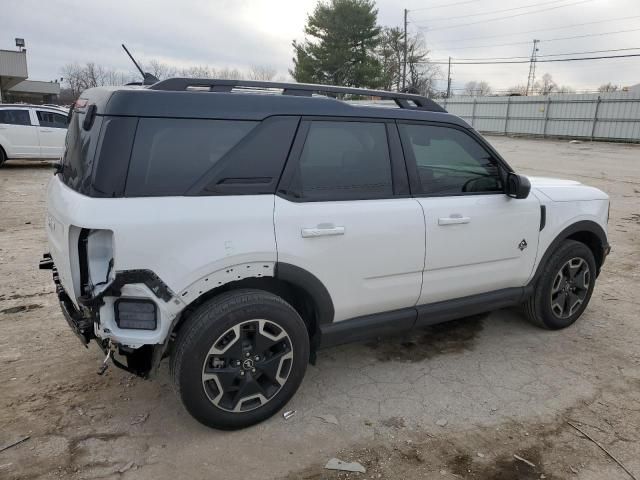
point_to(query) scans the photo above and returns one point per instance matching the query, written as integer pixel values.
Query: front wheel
(564, 287)
(240, 358)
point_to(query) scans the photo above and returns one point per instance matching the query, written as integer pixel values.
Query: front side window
(170, 155)
(450, 162)
(15, 117)
(343, 161)
(51, 120)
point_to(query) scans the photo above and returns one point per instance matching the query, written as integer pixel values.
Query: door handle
(45, 130)
(322, 230)
(453, 220)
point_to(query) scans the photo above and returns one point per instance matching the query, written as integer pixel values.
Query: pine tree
(340, 47)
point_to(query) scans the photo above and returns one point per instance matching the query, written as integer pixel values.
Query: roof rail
(403, 100)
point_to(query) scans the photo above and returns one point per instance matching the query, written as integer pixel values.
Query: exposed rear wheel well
(294, 295)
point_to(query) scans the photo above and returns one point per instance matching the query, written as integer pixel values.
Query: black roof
(250, 100)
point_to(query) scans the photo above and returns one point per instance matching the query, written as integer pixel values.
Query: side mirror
(518, 186)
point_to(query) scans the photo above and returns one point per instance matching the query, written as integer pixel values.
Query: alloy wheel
(247, 365)
(570, 287)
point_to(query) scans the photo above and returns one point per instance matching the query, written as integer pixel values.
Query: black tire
(231, 321)
(553, 304)
(3, 157)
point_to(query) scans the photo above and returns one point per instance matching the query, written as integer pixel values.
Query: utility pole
(404, 63)
(449, 79)
(531, 79)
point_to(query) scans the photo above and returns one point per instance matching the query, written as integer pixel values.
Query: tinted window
(80, 145)
(15, 117)
(344, 160)
(51, 120)
(170, 155)
(449, 161)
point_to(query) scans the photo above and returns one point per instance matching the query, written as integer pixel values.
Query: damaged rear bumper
(80, 322)
(92, 317)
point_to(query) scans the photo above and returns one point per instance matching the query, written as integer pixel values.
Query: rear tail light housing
(136, 314)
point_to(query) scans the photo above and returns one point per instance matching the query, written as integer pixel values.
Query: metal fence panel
(605, 116)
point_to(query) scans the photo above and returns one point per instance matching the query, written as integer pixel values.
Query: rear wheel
(564, 287)
(3, 156)
(240, 358)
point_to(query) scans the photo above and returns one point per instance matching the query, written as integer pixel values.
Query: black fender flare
(312, 285)
(578, 227)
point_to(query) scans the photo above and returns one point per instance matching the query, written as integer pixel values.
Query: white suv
(31, 132)
(238, 226)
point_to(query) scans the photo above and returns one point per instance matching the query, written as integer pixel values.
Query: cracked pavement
(451, 401)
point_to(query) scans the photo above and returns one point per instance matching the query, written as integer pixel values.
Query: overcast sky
(241, 33)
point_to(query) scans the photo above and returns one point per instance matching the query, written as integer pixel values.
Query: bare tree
(546, 86)
(421, 73)
(202, 71)
(262, 72)
(160, 70)
(609, 87)
(390, 54)
(517, 90)
(477, 89)
(565, 89)
(78, 78)
(229, 74)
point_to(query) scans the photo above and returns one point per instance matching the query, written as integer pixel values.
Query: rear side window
(15, 117)
(51, 120)
(449, 161)
(344, 161)
(170, 155)
(80, 146)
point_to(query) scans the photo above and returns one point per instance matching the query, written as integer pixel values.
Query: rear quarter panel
(181, 239)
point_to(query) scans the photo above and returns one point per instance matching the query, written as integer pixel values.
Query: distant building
(14, 86)
(633, 88)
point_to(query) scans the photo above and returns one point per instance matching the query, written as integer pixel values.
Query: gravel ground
(455, 401)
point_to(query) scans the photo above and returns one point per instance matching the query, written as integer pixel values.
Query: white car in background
(31, 132)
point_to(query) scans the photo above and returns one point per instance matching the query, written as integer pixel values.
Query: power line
(443, 5)
(539, 61)
(439, 19)
(549, 54)
(562, 27)
(507, 17)
(544, 40)
(590, 35)
(589, 52)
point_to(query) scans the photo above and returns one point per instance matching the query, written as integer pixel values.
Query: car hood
(560, 190)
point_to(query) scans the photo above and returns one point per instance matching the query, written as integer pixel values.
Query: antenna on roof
(147, 78)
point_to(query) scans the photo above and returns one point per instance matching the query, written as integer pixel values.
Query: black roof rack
(403, 100)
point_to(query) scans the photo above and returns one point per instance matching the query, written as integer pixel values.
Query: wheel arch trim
(584, 226)
(312, 285)
(223, 276)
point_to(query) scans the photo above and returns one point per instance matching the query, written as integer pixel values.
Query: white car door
(52, 130)
(18, 135)
(478, 239)
(341, 216)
